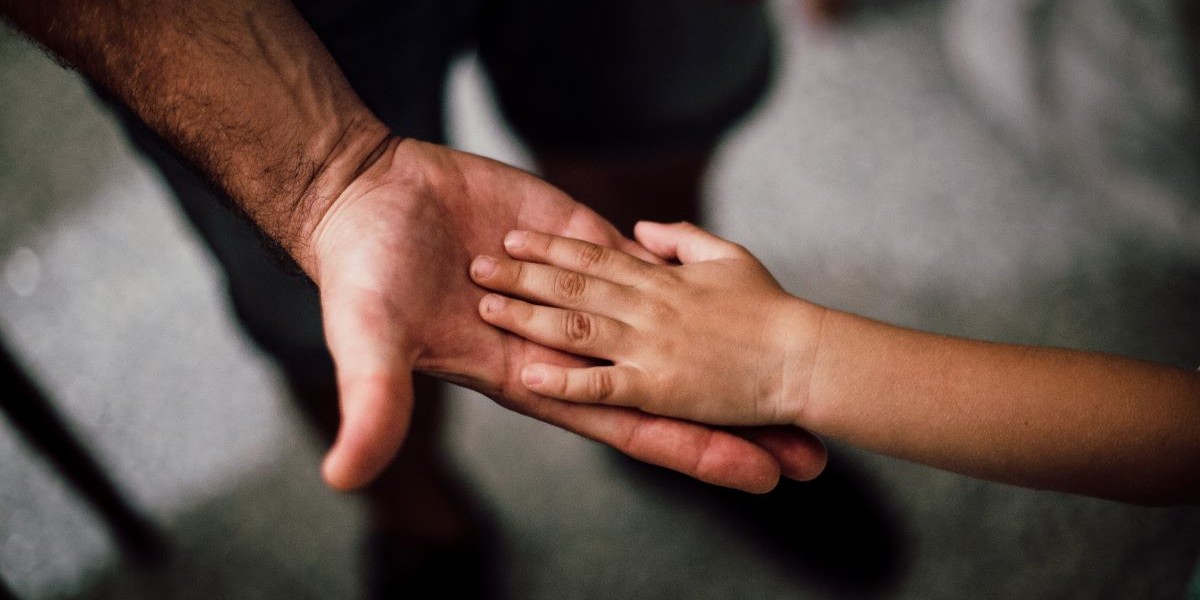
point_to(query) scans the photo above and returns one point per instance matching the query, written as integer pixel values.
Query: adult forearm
(1073, 421)
(244, 90)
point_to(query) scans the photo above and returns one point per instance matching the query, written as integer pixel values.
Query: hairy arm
(242, 89)
(385, 227)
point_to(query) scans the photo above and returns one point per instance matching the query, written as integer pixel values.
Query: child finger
(576, 255)
(591, 385)
(546, 284)
(572, 331)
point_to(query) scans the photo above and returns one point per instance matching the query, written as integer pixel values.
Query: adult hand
(390, 256)
(248, 94)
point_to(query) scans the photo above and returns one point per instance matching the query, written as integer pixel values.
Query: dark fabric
(632, 75)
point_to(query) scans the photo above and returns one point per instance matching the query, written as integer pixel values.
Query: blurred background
(1020, 171)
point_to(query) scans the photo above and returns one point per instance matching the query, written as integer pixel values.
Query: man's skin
(385, 227)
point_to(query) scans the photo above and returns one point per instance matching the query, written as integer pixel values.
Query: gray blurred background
(1021, 171)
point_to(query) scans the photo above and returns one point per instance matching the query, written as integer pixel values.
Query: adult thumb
(374, 392)
(802, 456)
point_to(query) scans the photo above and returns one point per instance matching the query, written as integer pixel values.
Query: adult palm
(390, 258)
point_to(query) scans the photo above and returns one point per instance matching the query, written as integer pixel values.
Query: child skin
(713, 338)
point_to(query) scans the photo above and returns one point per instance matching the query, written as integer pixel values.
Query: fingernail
(483, 267)
(514, 240)
(533, 375)
(492, 303)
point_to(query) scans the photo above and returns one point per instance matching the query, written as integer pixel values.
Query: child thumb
(684, 242)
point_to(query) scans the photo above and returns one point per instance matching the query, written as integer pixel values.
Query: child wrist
(800, 338)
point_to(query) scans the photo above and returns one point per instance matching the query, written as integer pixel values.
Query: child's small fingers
(550, 285)
(576, 255)
(591, 385)
(572, 331)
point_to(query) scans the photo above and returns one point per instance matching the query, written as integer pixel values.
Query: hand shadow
(837, 528)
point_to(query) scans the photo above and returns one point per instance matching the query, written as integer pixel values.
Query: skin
(382, 321)
(385, 227)
(716, 340)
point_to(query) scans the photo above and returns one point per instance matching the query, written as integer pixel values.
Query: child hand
(714, 339)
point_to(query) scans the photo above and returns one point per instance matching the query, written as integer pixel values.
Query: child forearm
(716, 340)
(1067, 420)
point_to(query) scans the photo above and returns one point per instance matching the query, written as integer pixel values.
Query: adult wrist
(346, 153)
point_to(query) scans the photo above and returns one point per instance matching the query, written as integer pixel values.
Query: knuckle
(657, 311)
(579, 327)
(642, 271)
(563, 385)
(521, 314)
(659, 279)
(591, 255)
(601, 385)
(518, 276)
(569, 285)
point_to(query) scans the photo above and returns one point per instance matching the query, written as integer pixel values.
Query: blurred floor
(868, 183)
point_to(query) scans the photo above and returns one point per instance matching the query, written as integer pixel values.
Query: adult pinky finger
(613, 385)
